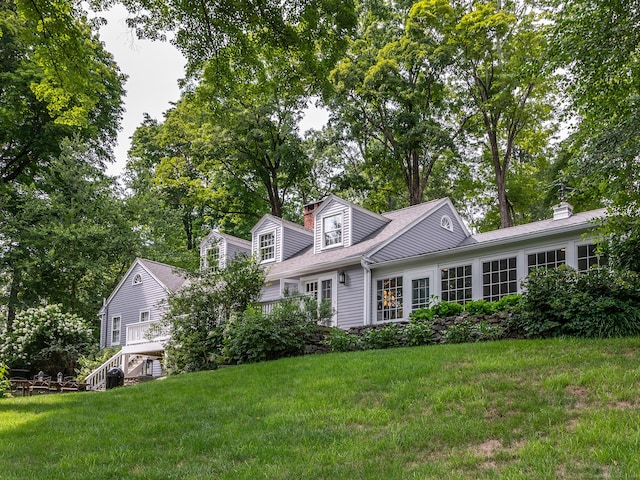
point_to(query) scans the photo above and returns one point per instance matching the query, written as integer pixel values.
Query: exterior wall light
(342, 277)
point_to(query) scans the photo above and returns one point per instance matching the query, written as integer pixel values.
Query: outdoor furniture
(41, 383)
(70, 384)
(19, 384)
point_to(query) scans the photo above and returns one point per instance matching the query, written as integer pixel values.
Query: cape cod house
(128, 316)
(371, 267)
(378, 268)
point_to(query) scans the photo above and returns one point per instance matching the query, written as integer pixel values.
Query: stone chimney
(562, 210)
(309, 210)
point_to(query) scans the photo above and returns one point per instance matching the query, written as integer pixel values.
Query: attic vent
(446, 223)
(137, 280)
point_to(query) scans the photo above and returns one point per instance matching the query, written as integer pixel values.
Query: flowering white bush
(46, 339)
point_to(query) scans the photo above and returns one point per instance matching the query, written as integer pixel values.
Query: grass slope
(515, 410)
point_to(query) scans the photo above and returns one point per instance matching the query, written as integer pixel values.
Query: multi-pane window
(456, 284)
(115, 330)
(325, 291)
(548, 259)
(145, 316)
(332, 230)
(499, 278)
(419, 293)
(587, 257)
(267, 248)
(213, 257)
(311, 289)
(389, 299)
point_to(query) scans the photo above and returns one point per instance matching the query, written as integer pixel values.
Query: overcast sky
(154, 69)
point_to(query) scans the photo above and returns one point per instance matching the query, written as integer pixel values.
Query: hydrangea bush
(47, 339)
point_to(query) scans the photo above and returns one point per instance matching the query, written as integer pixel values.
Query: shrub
(89, 362)
(447, 309)
(254, 336)
(424, 314)
(596, 303)
(467, 330)
(198, 313)
(46, 339)
(384, 337)
(509, 303)
(340, 340)
(479, 307)
(4, 383)
(416, 333)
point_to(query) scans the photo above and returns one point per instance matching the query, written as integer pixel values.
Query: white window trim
(411, 278)
(140, 316)
(569, 254)
(446, 223)
(324, 246)
(333, 276)
(137, 279)
(463, 263)
(119, 317)
(275, 245)
(406, 299)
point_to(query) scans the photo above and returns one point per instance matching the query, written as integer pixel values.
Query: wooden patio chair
(69, 384)
(41, 383)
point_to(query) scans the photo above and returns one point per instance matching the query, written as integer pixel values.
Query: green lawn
(515, 409)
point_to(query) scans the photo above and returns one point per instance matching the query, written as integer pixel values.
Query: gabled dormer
(217, 248)
(275, 239)
(339, 224)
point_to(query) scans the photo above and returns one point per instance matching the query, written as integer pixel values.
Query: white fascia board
(487, 244)
(316, 268)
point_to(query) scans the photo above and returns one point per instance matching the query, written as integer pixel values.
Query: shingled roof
(171, 277)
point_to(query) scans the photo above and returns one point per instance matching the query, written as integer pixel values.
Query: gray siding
(293, 241)
(427, 236)
(271, 292)
(351, 299)
(233, 250)
(130, 300)
(363, 225)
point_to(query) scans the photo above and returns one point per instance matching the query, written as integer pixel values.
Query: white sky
(154, 69)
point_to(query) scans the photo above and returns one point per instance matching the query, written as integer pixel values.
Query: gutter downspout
(366, 262)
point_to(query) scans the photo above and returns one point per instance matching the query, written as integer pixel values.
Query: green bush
(340, 340)
(89, 362)
(387, 336)
(424, 314)
(46, 339)
(447, 309)
(509, 303)
(479, 307)
(597, 303)
(467, 330)
(416, 333)
(254, 336)
(4, 383)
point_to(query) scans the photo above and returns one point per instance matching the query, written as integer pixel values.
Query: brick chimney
(309, 210)
(562, 210)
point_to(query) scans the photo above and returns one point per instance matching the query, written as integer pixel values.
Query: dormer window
(137, 280)
(446, 223)
(332, 230)
(267, 247)
(213, 257)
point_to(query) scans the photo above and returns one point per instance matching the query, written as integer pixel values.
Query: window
(389, 299)
(499, 278)
(311, 289)
(548, 259)
(587, 257)
(332, 230)
(115, 331)
(456, 284)
(446, 223)
(213, 257)
(145, 316)
(325, 291)
(419, 293)
(266, 245)
(137, 280)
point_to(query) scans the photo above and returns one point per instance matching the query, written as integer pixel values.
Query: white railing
(143, 332)
(98, 378)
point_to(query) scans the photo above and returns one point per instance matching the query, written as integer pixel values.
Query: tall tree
(65, 238)
(501, 68)
(56, 80)
(392, 96)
